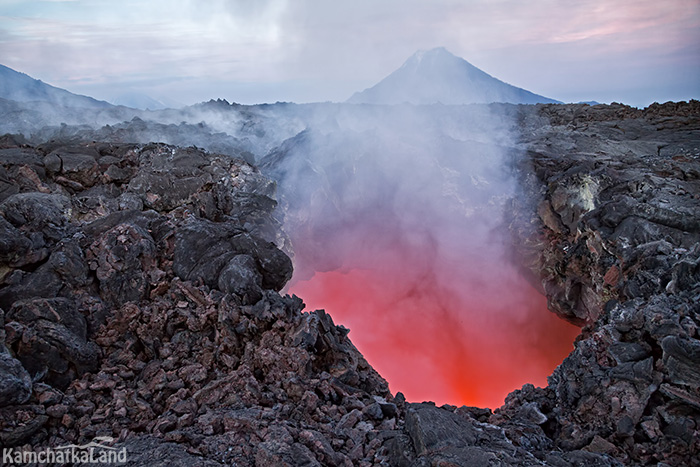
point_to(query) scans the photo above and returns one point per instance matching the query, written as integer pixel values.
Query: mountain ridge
(437, 76)
(20, 87)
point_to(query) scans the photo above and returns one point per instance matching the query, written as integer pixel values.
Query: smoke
(396, 216)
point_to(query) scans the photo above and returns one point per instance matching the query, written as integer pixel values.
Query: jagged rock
(64, 272)
(14, 247)
(53, 343)
(42, 213)
(681, 358)
(18, 155)
(15, 382)
(77, 167)
(440, 436)
(624, 352)
(182, 357)
(203, 248)
(171, 177)
(124, 261)
(285, 455)
(19, 423)
(147, 450)
(241, 277)
(20, 170)
(68, 262)
(138, 218)
(618, 252)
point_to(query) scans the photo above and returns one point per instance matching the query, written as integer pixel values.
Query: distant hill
(437, 76)
(20, 87)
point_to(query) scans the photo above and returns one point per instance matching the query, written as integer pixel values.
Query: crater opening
(397, 222)
(455, 327)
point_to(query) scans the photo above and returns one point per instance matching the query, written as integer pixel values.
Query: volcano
(437, 76)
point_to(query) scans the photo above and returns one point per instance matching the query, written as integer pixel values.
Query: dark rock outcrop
(615, 241)
(140, 284)
(15, 382)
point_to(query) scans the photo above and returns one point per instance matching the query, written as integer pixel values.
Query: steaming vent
(396, 216)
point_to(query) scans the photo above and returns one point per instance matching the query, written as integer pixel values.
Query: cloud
(341, 47)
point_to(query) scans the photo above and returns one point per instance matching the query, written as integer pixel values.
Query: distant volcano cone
(437, 76)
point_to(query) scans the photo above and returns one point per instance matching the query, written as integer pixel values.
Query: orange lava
(456, 329)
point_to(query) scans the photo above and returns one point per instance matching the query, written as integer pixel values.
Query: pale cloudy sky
(250, 51)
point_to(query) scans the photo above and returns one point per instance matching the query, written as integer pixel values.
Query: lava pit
(463, 330)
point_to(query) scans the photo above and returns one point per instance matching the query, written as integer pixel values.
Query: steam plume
(396, 219)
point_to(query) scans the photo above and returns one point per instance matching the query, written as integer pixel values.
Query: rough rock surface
(615, 242)
(140, 288)
(139, 301)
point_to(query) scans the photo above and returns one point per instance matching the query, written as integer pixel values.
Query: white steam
(396, 216)
(432, 172)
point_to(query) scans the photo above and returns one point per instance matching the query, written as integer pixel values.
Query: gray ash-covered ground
(140, 301)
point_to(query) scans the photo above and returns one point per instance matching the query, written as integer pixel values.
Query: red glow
(458, 329)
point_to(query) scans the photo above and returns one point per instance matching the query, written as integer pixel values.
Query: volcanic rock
(140, 288)
(617, 246)
(15, 382)
(157, 321)
(54, 342)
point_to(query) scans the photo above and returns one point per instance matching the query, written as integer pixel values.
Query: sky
(252, 51)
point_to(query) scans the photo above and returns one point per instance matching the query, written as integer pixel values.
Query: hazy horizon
(633, 51)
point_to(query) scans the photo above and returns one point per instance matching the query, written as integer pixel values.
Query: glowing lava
(463, 330)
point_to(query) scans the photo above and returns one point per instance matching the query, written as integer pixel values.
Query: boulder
(124, 259)
(204, 248)
(15, 382)
(53, 345)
